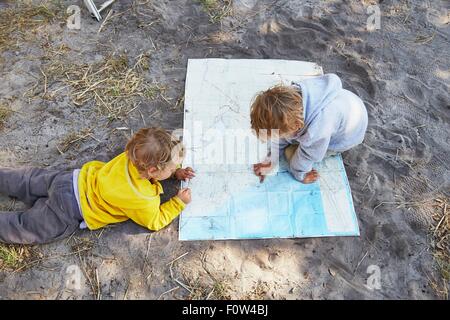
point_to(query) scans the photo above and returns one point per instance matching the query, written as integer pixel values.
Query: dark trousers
(53, 212)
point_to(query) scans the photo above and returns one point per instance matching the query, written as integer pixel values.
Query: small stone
(332, 272)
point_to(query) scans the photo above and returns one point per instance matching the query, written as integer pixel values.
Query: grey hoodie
(335, 119)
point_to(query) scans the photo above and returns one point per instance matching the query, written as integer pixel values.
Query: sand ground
(402, 71)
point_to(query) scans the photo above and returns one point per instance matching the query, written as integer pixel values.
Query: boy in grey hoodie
(307, 120)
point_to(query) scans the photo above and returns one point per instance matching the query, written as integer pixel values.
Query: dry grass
(5, 113)
(258, 292)
(73, 140)
(424, 39)
(201, 288)
(24, 20)
(198, 290)
(113, 85)
(221, 290)
(14, 257)
(90, 271)
(82, 247)
(204, 285)
(217, 9)
(53, 53)
(441, 246)
(207, 288)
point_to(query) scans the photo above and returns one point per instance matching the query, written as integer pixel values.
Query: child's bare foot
(311, 176)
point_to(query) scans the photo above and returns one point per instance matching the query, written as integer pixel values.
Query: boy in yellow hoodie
(98, 194)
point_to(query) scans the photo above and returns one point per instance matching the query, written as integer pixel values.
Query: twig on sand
(12, 205)
(126, 291)
(45, 82)
(440, 289)
(360, 261)
(149, 242)
(142, 117)
(441, 247)
(95, 286)
(70, 238)
(440, 221)
(98, 284)
(402, 204)
(367, 182)
(48, 258)
(134, 108)
(210, 294)
(377, 206)
(104, 22)
(183, 285)
(170, 264)
(176, 259)
(168, 291)
(73, 139)
(424, 39)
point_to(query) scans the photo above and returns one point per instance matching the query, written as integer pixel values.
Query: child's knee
(289, 151)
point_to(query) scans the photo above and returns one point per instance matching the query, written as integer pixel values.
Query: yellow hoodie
(114, 192)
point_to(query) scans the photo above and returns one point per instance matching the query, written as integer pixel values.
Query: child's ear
(152, 170)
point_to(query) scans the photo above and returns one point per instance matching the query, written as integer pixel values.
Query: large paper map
(228, 201)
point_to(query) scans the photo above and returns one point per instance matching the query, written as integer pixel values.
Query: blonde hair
(279, 107)
(153, 147)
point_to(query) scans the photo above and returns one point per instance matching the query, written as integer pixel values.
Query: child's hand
(311, 176)
(184, 195)
(183, 174)
(262, 169)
